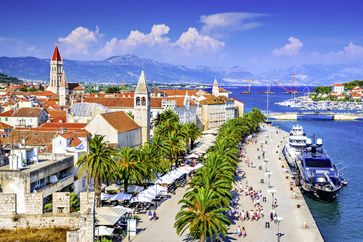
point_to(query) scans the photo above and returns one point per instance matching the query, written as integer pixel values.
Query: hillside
(8, 79)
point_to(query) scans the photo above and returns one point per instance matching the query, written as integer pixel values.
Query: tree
(129, 167)
(193, 132)
(74, 202)
(174, 145)
(98, 164)
(202, 215)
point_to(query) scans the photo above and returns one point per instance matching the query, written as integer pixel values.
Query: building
(214, 111)
(338, 88)
(142, 108)
(27, 117)
(58, 82)
(29, 172)
(5, 130)
(118, 128)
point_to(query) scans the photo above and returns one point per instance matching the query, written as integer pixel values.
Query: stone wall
(8, 203)
(61, 202)
(34, 203)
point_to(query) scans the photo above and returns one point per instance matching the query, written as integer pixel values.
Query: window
(138, 101)
(143, 101)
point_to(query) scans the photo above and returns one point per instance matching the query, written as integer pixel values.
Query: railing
(54, 187)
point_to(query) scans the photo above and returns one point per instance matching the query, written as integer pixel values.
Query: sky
(256, 35)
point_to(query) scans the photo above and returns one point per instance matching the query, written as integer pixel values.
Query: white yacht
(295, 144)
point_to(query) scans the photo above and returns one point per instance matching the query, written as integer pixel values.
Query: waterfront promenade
(297, 223)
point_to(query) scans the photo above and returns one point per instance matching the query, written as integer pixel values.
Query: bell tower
(56, 71)
(142, 107)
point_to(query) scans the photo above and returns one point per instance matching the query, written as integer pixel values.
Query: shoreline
(298, 222)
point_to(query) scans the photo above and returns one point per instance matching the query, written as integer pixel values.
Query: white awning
(103, 231)
(134, 188)
(120, 196)
(113, 187)
(105, 196)
(110, 215)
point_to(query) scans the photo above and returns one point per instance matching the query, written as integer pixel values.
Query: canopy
(113, 187)
(103, 231)
(105, 196)
(140, 199)
(120, 196)
(134, 188)
(110, 215)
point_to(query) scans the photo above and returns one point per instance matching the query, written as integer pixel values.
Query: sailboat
(249, 88)
(268, 87)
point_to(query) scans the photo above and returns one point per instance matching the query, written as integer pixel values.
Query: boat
(267, 92)
(249, 88)
(317, 174)
(295, 144)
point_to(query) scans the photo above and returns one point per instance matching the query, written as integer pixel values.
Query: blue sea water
(341, 220)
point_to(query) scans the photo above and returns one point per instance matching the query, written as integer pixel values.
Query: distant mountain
(115, 69)
(315, 74)
(127, 68)
(9, 79)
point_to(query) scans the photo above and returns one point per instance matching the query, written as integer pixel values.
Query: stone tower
(56, 71)
(58, 81)
(142, 108)
(215, 89)
(63, 90)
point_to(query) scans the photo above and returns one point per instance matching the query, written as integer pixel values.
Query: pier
(314, 114)
(297, 223)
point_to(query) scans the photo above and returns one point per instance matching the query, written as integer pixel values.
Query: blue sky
(256, 35)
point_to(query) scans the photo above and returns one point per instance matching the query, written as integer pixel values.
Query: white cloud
(79, 42)
(292, 48)
(156, 43)
(230, 21)
(192, 41)
(349, 52)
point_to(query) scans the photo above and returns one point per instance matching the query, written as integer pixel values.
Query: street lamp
(268, 174)
(272, 191)
(279, 235)
(266, 161)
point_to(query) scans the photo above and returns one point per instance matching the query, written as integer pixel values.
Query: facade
(29, 172)
(117, 127)
(338, 88)
(27, 117)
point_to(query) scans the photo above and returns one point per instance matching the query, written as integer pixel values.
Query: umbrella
(193, 156)
(140, 199)
(113, 187)
(121, 196)
(134, 188)
(105, 196)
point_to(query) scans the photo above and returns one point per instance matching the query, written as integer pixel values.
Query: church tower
(56, 71)
(215, 89)
(63, 90)
(142, 108)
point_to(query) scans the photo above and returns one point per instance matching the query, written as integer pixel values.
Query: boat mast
(267, 92)
(249, 86)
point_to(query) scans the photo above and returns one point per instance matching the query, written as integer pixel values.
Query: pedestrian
(243, 232)
(271, 215)
(150, 215)
(238, 231)
(155, 217)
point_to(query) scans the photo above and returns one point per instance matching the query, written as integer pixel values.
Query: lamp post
(266, 161)
(272, 191)
(268, 174)
(279, 235)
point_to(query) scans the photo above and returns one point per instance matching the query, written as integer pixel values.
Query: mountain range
(127, 68)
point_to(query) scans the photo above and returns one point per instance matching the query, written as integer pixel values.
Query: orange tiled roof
(7, 113)
(120, 121)
(59, 126)
(27, 112)
(210, 100)
(5, 126)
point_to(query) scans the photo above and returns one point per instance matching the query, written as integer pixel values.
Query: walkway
(297, 224)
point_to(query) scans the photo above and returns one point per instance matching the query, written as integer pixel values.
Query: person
(275, 204)
(238, 231)
(243, 232)
(271, 215)
(155, 217)
(150, 215)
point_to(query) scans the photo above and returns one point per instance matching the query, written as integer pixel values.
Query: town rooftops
(27, 112)
(120, 121)
(7, 113)
(338, 85)
(5, 126)
(60, 126)
(121, 102)
(212, 100)
(56, 55)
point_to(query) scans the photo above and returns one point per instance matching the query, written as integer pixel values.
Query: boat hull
(319, 194)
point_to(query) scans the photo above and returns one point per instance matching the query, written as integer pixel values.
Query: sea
(342, 219)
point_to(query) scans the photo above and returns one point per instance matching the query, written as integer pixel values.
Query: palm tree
(164, 116)
(193, 132)
(129, 167)
(175, 146)
(202, 215)
(97, 163)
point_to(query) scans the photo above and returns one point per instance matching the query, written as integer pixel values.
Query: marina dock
(320, 115)
(297, 223)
